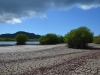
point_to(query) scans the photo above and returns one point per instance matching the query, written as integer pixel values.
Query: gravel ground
(49, 60)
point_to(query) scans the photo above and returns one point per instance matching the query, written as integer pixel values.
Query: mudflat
(49, 60)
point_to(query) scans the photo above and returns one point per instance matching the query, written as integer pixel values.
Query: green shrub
(21, 39)
(60, 39)
(97, 40)
(42, 40)
(79, 38)
(48, 39)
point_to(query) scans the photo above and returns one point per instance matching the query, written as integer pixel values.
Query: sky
(49, 16)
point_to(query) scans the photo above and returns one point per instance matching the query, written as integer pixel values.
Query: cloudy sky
(49, 16)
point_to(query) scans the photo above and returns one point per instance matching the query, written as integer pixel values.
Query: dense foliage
(21, 39)
(97, 39)
(7, 39)
(50, 39)
(79, 38)
(60, 39)
(13, 39)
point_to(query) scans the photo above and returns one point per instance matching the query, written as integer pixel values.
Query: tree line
(13, 39)
(76, 38)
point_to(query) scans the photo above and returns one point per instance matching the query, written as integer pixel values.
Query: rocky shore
(48, 60)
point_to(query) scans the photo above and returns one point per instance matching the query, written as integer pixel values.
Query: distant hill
(30, 35)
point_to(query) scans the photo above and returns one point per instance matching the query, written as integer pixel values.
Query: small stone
(88, 71)
(93, 72)
(73, 73)
(77, 71)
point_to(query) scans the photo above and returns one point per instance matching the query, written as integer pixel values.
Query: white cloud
(13, 11)
(36, 14)
(13, 21)
(87, 7)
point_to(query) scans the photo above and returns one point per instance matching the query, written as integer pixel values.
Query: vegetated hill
(30, 35)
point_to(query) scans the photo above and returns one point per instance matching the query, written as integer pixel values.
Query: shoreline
(27, 48)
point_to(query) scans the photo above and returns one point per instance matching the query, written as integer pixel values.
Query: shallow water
(14, 42)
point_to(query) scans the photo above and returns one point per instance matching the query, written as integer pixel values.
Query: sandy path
(45, 60)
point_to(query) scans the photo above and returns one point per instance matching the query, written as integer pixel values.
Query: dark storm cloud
(12, 11)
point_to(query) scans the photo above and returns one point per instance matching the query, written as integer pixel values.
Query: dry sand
(48, 60)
